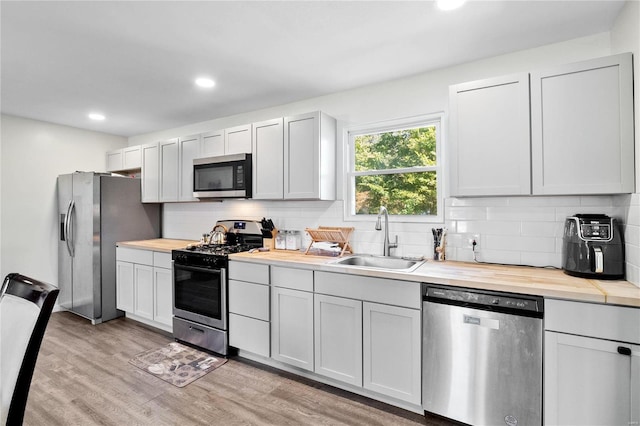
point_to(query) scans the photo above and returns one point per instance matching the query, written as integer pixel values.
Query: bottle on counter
(293, 240)
(281, 239)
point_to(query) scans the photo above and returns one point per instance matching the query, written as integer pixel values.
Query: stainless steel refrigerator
(96, 210)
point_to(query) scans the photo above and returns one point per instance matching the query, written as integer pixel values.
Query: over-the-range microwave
(226, 176)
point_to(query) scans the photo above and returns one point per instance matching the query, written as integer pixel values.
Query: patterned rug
(176, 363)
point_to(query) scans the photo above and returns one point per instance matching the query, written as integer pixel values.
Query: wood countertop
(158, 244)
(552, 283)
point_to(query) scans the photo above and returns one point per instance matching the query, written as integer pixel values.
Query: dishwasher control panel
(483, 298)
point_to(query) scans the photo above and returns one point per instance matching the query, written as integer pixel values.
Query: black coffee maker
(593, 247)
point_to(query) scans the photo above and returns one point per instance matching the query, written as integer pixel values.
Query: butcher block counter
(158, 244)
(545, 282)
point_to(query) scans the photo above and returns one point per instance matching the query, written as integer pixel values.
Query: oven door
(200, 295)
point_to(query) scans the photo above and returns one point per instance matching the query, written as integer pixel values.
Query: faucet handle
(394, 244)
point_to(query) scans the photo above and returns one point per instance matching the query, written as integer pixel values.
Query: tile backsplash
(511, 230)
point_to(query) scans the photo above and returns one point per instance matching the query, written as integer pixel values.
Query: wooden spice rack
(331, 234)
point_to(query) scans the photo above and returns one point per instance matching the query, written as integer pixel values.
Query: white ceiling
(136, 61)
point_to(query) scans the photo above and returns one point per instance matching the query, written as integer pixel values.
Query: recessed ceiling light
(96, 116)
(449, 4)
(207, 83)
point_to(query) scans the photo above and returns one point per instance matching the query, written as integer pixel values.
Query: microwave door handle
(599, 263)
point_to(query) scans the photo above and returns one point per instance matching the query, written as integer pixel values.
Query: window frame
(350, 132)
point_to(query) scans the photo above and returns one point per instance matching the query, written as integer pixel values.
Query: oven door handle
(199, 269)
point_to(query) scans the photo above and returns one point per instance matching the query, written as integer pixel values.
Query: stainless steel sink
(380, 262)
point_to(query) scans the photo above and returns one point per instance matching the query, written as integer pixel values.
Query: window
(396, 165)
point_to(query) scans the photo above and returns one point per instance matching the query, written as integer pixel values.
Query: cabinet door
(292, 327)
(338, 338)
(237, 140)
(189, 148)
(213, 143)
(302, 156)
(114, 160)
(391, 351)
(169, 165)
(489, 133)
(150, 173)
(124, 286)
(162, 296)
(267, 160)
(588, 382)
(143, 291)
(582, 127)
(132, 158)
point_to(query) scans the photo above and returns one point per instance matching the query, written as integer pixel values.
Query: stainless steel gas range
(200, 297)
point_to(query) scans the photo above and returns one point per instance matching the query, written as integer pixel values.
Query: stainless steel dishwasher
(482, 356)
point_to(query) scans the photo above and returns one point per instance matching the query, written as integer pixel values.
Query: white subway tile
(521, 213)
(466, 213)
(597, 200)
(633, 217)
(543, 201)
(632, 235)
(489, 227)
(542, 259)
(633, 274)
(523, 244)
(542, 229)
(476, 202)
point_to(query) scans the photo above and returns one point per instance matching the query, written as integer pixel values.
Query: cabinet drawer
(593, 320)
(296, 279)
(381, 290)
(250, 300)
(249, 334)
(162, 260)
(251, 272)
(142, 257)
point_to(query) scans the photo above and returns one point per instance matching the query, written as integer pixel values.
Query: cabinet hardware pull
(624, 351)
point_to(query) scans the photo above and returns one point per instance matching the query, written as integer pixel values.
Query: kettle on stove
(218, 235)
(593, 247)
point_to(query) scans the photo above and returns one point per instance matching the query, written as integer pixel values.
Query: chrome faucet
(387, 245)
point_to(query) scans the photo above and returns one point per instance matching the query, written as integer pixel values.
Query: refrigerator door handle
(67, 228)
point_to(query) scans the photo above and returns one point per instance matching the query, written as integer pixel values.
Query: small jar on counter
(293, 240)
(281, 239)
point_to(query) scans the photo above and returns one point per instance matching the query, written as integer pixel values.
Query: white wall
(34, 153)
(625, 37)
(515, 230)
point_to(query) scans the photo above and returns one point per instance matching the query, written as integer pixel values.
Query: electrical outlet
(470, 238)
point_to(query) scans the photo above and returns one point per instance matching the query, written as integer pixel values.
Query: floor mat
(177, 364)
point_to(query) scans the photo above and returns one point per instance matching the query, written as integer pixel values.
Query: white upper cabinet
(582, 127)
(268, 172)
(489, 131)
(169, 168)
(295, 158)
(213, 143)
(150, 173)
(579, 116)
(129, 158)
(189, 149)
(237, 140)
(310, 157)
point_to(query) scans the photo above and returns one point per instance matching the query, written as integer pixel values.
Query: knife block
(270, 242)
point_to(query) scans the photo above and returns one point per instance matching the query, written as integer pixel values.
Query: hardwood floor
(83, 377)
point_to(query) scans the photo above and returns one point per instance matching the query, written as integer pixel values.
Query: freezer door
(65, 196)
(85, 233)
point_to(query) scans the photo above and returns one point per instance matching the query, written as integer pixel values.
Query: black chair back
(43, 296)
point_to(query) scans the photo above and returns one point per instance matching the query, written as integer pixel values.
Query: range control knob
(495, 301)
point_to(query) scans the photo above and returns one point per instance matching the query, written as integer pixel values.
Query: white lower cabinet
(391, 351)
(249, 312)
(591, 364)
(143, 291)
(292, 327)
(338, 338)
(124, 286)
(163, 296)
(589, 382)
(144, 286)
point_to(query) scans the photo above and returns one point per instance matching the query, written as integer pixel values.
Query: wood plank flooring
(83, 377)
